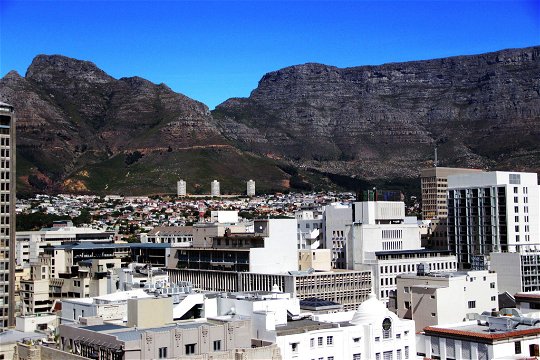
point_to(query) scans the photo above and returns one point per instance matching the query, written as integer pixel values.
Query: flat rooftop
(301, 326)
(472, 330)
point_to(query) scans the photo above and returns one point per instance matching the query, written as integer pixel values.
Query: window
(398, 354)
(433, 314)
(387, 355)
(378, 356)
(492, 285)
(312, 342)
(493, 298)
(377, 338)
(357, 357)
(163, 353)
(190, 349)
(407, 305)
(329, 340)
(517, 347)
(217, 345)
(398, 336)
(406, 352)
(472, 304)
(319, 341)
(406, 289)
(356, 339)
(514, 179)
(330, 358)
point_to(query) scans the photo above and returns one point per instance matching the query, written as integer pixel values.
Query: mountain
(79, 129)
(383, 122)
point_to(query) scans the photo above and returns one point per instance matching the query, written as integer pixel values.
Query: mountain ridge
(80, 128)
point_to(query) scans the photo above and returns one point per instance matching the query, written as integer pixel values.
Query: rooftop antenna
(435, 163)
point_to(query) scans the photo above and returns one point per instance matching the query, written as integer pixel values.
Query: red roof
(431, 330)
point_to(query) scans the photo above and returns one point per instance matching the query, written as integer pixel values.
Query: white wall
(280, 249)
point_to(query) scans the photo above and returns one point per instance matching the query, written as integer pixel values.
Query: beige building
(346, 287)
(434, 184)
(224, 338)
(7, 215)
(445, 298)
(317, 259)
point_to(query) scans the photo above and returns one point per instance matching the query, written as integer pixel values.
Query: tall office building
(434, 183)
(250, 191)
(214, 188)
(181, 188)
(7, 215)
(492, 212)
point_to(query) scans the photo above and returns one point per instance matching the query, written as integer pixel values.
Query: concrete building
(310, 229)
(528, 302)
(445, 298)
(434, 184)
(223, 338)
(177, 236)
(318, 259)
(348, 288)
(336, 218)
(370, 332)
(181, 188)
(517, 272)
(270, 245)
(30, 244)
(487, 338)
(9, 339)
(492, 212)
(250, 188)
(214, 188)
(7, 215)
(39, 292)
(382, 239)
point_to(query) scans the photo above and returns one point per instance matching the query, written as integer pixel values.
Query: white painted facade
(516, 271)
(445, 298)
(279, 253)
(501, 211)
(360, 335)
(382, 239)
(309, 229)
(470, 340)
(250, 188)
(30, 244)
(181, 188)
(214, 188)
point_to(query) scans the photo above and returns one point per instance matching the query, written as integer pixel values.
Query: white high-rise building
(181, 188)
(492, 212)
(7, 216)
(214, 188)
(250, 190)
(382, 239)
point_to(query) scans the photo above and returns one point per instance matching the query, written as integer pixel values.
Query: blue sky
(214, 50)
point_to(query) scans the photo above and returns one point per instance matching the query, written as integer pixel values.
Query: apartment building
(492, 212)
(7, 215)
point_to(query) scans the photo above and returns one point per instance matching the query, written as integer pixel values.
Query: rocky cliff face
(384, 121)
(80, 129)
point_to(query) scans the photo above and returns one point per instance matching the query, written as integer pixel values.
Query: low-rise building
(370, 332)
(445, 298)
(487, 338)
(177, 236)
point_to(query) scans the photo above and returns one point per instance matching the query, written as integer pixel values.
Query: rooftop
(471, 329)
(301, 326)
